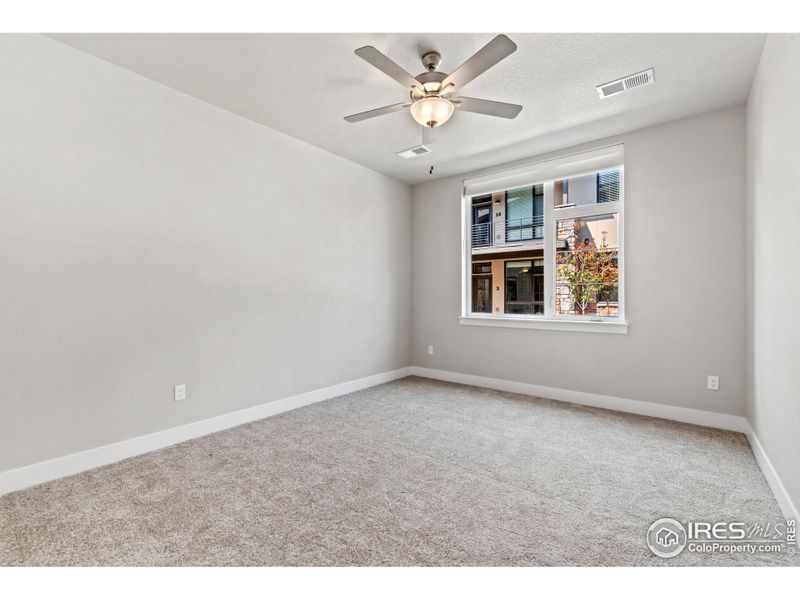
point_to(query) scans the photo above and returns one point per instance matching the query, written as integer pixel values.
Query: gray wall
(685, 278)
(149, 239)
(773, 211)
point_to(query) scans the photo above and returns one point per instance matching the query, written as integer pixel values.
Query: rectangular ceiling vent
(415, 151)
(623, 84)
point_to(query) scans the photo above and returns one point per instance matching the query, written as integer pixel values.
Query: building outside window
(482, 287)
(524, 212)
(608, 186)
(549, 248)
(481, 220)
(524, 282)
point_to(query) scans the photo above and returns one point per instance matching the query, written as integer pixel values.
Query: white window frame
(547, 173)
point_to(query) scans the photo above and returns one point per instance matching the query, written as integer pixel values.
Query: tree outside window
(587, 271)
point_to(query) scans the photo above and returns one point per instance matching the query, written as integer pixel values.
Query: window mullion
(549, 254)
(466, 256)
(588, 210)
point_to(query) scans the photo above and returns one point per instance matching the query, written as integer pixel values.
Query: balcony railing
(510, 231)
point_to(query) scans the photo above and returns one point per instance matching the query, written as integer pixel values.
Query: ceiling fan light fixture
(432, 111)
(434, 95)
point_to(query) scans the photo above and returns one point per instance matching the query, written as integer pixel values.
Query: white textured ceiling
(303, 84)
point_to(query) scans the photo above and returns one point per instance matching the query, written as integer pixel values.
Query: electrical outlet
(713, 382)
(180, 392)
(430, 349)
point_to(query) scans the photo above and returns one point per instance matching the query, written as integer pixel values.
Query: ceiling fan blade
(487, 107)
(485, 58)
(383, 63)
(377, 112)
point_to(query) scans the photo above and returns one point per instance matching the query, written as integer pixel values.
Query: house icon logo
(666, 538)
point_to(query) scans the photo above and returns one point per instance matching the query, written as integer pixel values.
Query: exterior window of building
(525, 213)
(608, 186)
(524, 280)
(482, 287)
(550, 249)
(482, 221)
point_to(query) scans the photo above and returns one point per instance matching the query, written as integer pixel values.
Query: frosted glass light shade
(432, 111)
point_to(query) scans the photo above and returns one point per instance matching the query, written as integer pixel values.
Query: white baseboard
(56, 468)
(637, 407)
(788, 507)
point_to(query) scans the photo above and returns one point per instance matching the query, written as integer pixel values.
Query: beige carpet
(414, 472)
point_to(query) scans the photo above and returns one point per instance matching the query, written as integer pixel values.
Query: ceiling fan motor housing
(431, 60)
(431, 82)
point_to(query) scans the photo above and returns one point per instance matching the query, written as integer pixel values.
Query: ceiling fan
(433, 98)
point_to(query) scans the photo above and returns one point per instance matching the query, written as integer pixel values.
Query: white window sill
(542, 323)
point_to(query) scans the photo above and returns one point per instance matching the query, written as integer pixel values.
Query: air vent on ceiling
(415, 151)
(626, 83)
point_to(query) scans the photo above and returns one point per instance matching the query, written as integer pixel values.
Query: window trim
(532, 322)
(572, 165)
(556, 169)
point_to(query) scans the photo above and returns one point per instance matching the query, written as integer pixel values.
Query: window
(482, 221)
(482, 287)
(524, 282)
(559, 256)
(608, 186)
(524, 213)
(587, 266)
